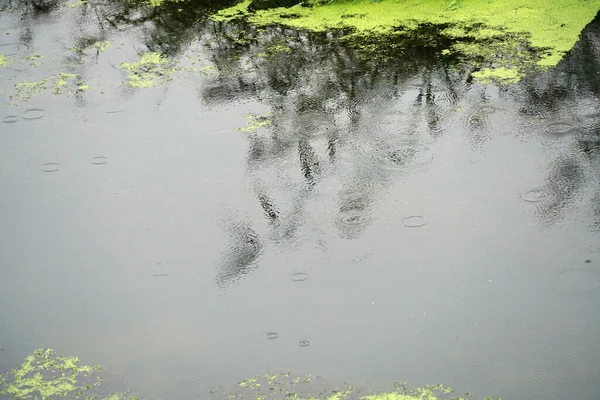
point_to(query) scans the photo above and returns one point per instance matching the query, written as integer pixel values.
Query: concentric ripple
(300, 276)
(272, 335)
(162, 269)
(10, 119)
(33, 113)
(11, 49)
(51, 167)
(99, 160)
(353, 219)
(475, 290)
(575, 281)
(558, 128)
(185, 376)
(407, 158)
(414, 221)
(535, 196)
(540, 396)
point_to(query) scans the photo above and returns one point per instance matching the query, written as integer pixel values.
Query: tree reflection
(350, 113)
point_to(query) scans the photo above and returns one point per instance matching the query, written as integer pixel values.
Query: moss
(552, 27)
(150, 70)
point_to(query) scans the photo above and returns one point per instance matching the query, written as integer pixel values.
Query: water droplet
(414, 221)
(33, 113)
(185, 376)
(299, 276)
(535, 196)
(272, 335)
(304, 343)
(475, 290)
(99, 160)
(575, 281)
(10, 119)
(558, 128)
(162, 269)
(51, 167)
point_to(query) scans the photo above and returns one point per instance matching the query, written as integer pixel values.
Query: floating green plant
(76, 4)
(254, 122)
(25, 90)
(62, 80)
(152, 69)
(45, 375)
(3, 60)
(540, 32)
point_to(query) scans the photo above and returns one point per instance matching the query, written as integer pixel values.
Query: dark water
(396, 221)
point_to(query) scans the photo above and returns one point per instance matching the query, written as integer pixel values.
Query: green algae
(66, 83)
(101, 46)
(4, 61)
(23, 91)
(531, 33)
(76, 4)
(45, 375)
(254, 122)
(499, 75)
(152, 69)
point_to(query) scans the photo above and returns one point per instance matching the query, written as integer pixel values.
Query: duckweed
(152, 68)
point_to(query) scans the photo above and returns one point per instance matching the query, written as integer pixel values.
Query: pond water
(298, 208)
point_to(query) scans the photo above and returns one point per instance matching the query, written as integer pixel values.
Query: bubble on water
(185, 376)
(51, 167)
(10, 119)
(99, 160)
(272, 335)
(162, 269)
(558, 128)
(300, 276)
(33, 113)
(304, 343)
(475, 290)
(414, 221)
(575, 281)
(535, 196)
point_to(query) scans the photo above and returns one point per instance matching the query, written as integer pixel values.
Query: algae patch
(44, 375)
(3, 60)
(152, 69)
(538, 32)
(25, 90)
(254, 122)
